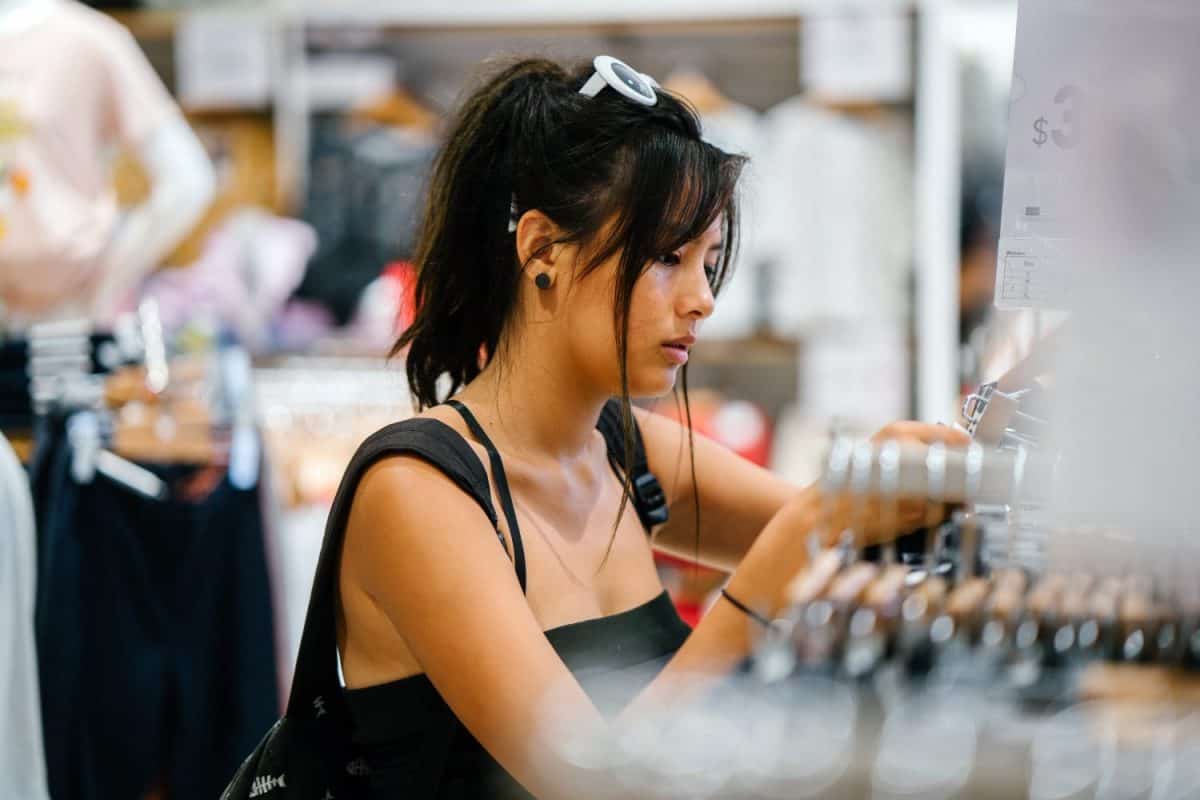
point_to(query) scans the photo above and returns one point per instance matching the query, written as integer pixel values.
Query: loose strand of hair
(687, 406)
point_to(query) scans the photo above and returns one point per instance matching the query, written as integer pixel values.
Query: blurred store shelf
(764, 370)
(154, 22)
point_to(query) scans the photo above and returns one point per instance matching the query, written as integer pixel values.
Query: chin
(652, 384)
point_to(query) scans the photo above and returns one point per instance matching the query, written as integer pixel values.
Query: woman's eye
(711, 271)
(669, 259)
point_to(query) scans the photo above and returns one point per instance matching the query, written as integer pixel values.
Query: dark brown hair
(526, 136)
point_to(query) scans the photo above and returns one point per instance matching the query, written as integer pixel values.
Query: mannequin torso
(66, 249)
(18, 16)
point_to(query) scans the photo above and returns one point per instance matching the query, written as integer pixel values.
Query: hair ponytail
(466, 280)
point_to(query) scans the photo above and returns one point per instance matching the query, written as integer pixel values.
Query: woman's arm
(737, 498)
(437, 571)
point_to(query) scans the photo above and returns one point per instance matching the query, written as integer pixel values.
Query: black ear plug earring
(542, 280)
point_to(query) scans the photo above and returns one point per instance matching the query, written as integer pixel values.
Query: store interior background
(863, 293)
(848, 311)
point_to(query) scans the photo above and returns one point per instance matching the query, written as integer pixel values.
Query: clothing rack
(314, 412)
(124, 400)
(981, 671)
(145, 483)
(61, 356)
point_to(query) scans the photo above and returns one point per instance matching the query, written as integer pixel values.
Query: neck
(18, 16)
(537, 401)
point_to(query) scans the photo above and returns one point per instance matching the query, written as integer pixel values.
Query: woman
(575, 236)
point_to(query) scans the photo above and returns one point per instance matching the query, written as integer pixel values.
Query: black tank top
(411, 739)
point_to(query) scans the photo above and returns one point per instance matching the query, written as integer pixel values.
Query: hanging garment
(154, 631)
(364, 196)
(838, 217)
(249, 268)
(22, 762)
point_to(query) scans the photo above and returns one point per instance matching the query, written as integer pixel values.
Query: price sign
(1103, 129)
(1066, 137)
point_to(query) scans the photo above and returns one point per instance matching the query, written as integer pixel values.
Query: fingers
(923, 432)
(874, 519)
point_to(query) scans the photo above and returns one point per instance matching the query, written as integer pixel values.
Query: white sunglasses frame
(605, 75)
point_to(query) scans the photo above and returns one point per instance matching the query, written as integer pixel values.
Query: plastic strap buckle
(651, 500)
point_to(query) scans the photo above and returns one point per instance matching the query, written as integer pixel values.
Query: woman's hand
(782, 549)
(880, 517)
(921, 433)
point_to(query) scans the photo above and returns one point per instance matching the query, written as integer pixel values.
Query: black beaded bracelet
(745, 609)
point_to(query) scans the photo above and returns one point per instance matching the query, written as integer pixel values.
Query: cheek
(592, 336)
(651, 320)
(650, 308)
(589, 332)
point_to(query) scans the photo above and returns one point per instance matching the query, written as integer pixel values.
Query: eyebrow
(717, 246)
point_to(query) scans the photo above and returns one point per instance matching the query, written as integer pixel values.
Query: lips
(676, 351)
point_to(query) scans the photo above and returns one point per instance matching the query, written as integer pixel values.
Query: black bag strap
(510, 513)
(648, 496)
(316, 689)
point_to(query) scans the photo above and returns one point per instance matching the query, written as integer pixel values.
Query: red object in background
(746, 430)
(690, 611)
(404, 273)
(740, 425)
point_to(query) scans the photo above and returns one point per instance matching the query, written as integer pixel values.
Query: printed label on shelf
(223, 60)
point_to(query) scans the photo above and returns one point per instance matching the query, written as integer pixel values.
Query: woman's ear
(538, 246)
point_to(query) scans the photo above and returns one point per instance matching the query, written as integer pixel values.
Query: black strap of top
(316, 689)
(648, 496)
(510, 513)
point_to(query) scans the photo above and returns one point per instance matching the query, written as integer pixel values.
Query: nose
(696, 296)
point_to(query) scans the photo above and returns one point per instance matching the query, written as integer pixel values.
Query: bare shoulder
(401, 499)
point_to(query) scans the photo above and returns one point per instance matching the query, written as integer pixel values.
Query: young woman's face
(670, 300)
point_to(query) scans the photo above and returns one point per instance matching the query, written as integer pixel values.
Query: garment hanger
(694, 86)
(166, 434)
(866, 111)
(399, 108)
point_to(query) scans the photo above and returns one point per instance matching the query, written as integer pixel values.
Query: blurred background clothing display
(61, 120)
(59, 208)
(364, 202)
(170, 603)
(209, 228)
(734, 128)
(839, 230)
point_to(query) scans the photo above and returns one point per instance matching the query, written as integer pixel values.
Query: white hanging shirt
(838, 208)
(22, 759)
